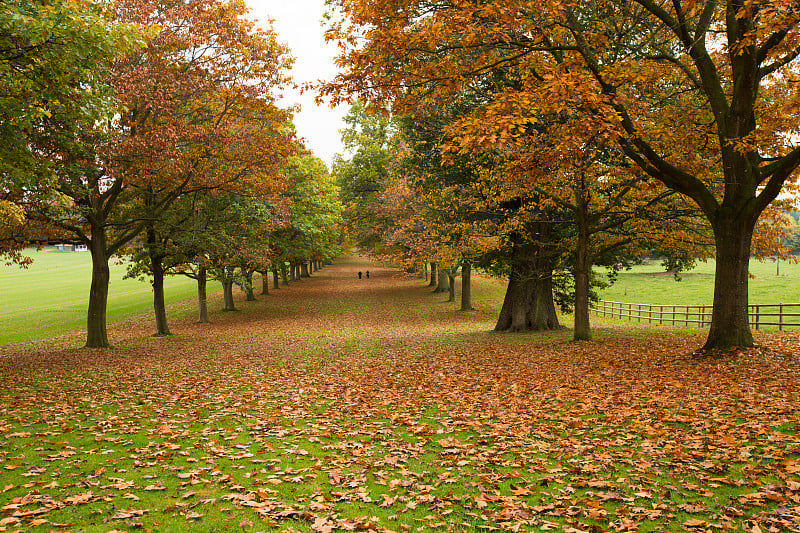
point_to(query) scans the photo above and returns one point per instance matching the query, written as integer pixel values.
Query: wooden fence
(780, 315)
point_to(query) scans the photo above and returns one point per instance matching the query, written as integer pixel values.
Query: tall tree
(658, 78)
(368, 139)
(55, 56)
(186, 95)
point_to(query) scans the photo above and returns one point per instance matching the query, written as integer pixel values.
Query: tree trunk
(248, 286)
(275, 284)
(304, 273)
(423, 272)
(442, 285)
(451, 279)
(528, 304)
(157, 270)
(582, 328)
(730, 325)
(433, 275)
(96, 334)
(284, 274)
(227, 294)
(466, 286)
(265, 282)
(202, 300)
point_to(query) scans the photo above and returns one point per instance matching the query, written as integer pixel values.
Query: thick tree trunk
(304, 273)
(433, 275)
(202, 300)
(442, 285)
(96, 334)
(528, 304)
(730, 325)
(275, 284)
(265, 282)
(423, 272)
(582, 330)
(248, 286)
(466, 286)
(284, 274)
(157, 270)
(227, 296)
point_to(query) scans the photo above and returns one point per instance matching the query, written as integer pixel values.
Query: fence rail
(781, 315)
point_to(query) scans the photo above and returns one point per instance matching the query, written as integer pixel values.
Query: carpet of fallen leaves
(343, 404)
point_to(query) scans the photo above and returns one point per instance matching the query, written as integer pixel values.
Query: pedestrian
(367, 274)
(359, 274)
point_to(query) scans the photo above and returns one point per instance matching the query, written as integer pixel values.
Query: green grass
(50, 297)
(649, 284)
(330, 406)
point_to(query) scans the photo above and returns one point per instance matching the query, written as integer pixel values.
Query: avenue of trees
(544, 137)
(150, 129)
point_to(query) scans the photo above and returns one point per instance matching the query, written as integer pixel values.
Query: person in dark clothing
(359, 274)
(367, 274)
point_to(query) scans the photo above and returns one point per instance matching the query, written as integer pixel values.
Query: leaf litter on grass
(305, 412)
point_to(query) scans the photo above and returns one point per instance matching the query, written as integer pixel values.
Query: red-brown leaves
(388, 412)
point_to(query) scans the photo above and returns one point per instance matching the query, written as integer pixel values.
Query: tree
(659, 79)
(314, 231)
(368, 136)
(54, 59)
(186, 96)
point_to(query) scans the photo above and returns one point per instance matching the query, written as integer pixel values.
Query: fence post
(758, 316)
(780, 316)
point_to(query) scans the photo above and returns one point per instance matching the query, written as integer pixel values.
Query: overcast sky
(297, 23)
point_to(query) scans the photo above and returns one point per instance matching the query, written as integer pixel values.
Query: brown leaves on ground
(339, 404)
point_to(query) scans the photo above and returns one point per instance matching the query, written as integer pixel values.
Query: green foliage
(314, 230)
(363, 176)
(54, 57)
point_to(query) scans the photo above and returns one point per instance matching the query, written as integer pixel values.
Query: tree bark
(265, 282)
(451, 279)
(157, 271)
(284, 274)
(96, 333)
(582, 328)
(202, 300)
(275, 284)
(528, 304)
(227, 295)
(248, 286)
(433, 281)
(730, 324)
(442, 285)
(466, 286)
(304, 273)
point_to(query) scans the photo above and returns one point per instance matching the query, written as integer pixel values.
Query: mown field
(339, 404)
(50, 297)
(648, 284)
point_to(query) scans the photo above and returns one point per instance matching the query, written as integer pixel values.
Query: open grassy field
(50, 297)
(338, 404)
(649, 284)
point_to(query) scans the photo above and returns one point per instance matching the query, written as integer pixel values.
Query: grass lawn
(649, 284)
(338, 404)
(50, 297)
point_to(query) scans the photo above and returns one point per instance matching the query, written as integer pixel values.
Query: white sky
(297, 23)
